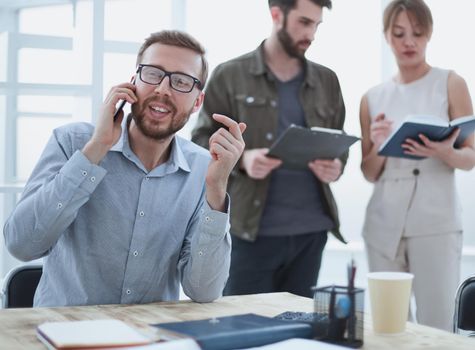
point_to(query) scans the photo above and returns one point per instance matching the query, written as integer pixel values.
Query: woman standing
(413, 220)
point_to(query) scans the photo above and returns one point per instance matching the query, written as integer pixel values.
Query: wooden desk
(17, 326)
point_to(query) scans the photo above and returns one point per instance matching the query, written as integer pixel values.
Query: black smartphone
(122, 103)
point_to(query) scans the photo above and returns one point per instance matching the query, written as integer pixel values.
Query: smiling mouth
(159, 112)
(160, 109)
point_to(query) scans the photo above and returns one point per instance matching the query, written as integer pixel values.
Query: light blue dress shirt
(116, 233)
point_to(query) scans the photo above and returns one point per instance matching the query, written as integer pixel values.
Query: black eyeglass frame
(196, 82)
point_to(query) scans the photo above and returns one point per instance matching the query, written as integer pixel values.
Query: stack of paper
(89, 334)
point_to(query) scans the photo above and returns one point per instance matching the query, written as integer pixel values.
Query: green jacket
(244, 90)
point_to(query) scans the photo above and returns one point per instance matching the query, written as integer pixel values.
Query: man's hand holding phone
(108, 126)
(119, 111)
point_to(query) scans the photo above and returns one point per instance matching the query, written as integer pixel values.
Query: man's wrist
(95, 151)
(216, 197)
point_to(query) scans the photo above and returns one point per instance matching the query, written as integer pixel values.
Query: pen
(351, 270)
(351, 273)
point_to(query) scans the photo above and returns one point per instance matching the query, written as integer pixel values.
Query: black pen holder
(339, 315)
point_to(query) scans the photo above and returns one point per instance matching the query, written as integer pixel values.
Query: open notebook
(435, 128)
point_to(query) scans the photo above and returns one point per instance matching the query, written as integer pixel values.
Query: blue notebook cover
(240, 331)
(434, 128)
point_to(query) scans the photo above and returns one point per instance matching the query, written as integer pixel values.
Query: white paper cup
(389, 294)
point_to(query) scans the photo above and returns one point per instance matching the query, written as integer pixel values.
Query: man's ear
(275, 13)
(198, 102)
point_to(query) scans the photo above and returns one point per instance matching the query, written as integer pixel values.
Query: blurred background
(58, 59)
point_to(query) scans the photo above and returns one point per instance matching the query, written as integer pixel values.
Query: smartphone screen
(122, 104)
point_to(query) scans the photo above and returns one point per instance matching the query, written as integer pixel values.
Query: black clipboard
(299, 145)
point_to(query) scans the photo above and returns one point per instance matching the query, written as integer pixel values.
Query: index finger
(130, 86)
(456, 132)
(232, 125)
(424, 138)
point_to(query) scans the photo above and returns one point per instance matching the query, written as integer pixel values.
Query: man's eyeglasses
(178, 81)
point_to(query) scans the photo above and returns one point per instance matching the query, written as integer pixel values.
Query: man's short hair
(179, 39)
(287, 5)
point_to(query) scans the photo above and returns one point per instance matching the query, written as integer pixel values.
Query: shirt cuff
(215, 222)
(84, 174)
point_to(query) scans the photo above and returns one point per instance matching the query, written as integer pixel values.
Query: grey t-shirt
(294, 202)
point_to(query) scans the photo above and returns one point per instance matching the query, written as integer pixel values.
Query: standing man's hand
(107, 131)
(256, 163)
(326, 170)
(226, 146)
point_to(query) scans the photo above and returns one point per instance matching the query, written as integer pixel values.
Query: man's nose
(311, 35)
(163, 87)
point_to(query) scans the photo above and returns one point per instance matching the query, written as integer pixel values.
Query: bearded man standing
(124, 212)
(279, 217)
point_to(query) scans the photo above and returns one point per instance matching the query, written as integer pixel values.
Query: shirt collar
(124, 137)
(176, 160)
(177, 156)
(258, 66)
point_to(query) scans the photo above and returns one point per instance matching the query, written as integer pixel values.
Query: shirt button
(60, 205)
(142, 213)
(136, 253)
(207, 219)
(84, 173)
(200, 253)
(269, 136)
(249, 99)
(93, 178)
(246, 235)
(273, 103)
(257, 202)
(128, 291)
(147, 178)
(416, 172)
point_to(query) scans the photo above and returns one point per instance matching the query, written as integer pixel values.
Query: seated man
(124, 212)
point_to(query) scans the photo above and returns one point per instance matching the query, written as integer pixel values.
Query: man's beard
(289, 46)
(152, 130)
